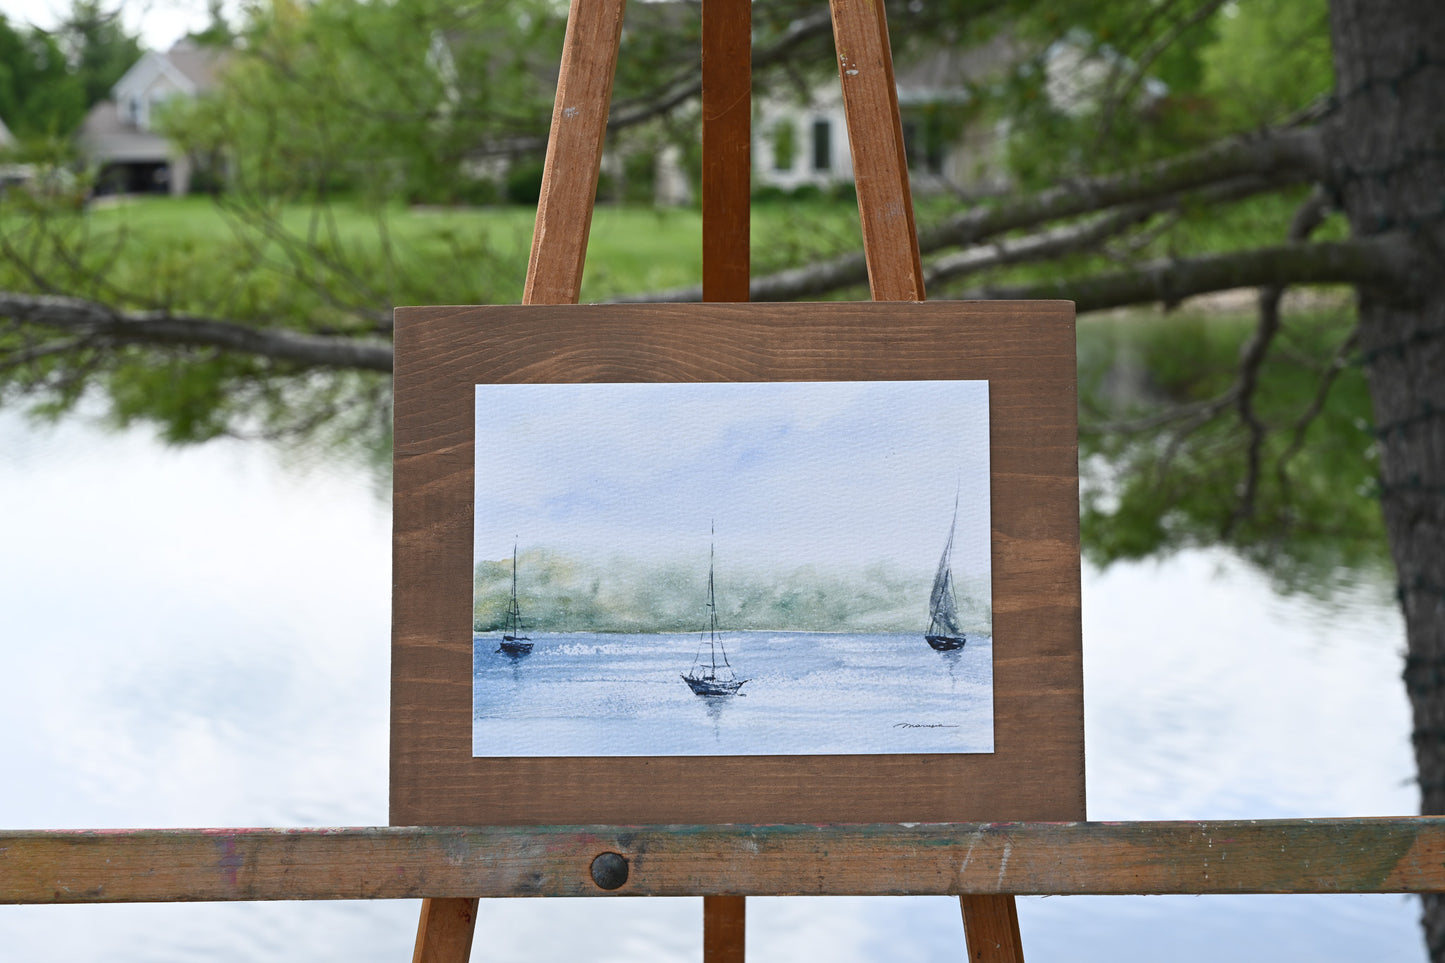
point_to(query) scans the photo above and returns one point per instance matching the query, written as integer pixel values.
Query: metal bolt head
(609, 870)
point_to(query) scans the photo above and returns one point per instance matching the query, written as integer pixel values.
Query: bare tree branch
(1332, 371)
(1310, 215)
(1196, 414)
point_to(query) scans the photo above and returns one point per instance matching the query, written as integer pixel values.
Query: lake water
(583, 694)
(200, 638)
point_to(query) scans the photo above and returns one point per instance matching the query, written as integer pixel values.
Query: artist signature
(923, 725)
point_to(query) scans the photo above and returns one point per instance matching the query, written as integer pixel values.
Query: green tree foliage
(1166, 466)
(97, 47)
(39, 95)
(49, 79)
(1156, 150)
(374, 100)
(1272, 58)
(333, 111)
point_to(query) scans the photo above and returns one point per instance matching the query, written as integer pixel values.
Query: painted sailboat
(513, 641)
(709, 677)
(943, 631)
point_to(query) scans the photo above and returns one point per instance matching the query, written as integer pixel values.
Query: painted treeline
(561, 593)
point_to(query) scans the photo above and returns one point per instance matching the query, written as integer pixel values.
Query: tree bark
(1387, 168)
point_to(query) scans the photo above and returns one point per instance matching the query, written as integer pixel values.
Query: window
(822, 145)
(785, 145)
(910, 142)
(925, 140)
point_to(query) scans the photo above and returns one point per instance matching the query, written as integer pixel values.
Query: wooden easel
(559, 247)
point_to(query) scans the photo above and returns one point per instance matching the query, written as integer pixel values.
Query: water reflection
(951, 658)
(716, 706)
(203, 641)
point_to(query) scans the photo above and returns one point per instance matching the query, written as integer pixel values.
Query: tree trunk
(1388, 169)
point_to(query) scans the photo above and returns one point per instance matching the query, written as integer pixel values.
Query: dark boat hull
(946, 643)
(713, 687)
(515, 646)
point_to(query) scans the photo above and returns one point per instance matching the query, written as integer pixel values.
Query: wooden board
(1025, 351)
(444, 932)
(574, 152)
(1398, 855)
(875, 138)
(726, 148)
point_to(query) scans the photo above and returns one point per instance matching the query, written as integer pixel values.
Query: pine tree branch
(1079, 236)
(1280, 156)
(1268, 161)
(89, 324)
(1383, 260)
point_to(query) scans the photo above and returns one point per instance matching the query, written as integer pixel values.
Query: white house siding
(820, 155)
(974, 160)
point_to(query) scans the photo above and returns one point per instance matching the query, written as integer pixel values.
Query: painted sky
(817, 473)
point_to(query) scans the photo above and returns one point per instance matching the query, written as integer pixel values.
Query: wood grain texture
(554, 276)
(875, 137)
(444, 934)
(991, 929)
(1395, 855)
(724, 929)
(1025, 351)
(726, 148)
(574, 152)
(727, 66)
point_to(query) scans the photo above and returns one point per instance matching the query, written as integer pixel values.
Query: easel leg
(726, 184)
(724, 928)
(890, 245)
(554, 276)
(991, 929)
(445, 932)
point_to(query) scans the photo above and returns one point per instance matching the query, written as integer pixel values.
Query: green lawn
(327, 264)
(401, 255)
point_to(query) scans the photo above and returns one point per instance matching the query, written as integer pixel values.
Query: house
(119, 137)
(804, 141)
(11, 174)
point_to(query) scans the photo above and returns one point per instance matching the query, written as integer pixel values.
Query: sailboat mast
(514, 612)
(711, 602)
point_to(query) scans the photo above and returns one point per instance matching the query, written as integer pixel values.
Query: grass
(195, 254)
(309, 261)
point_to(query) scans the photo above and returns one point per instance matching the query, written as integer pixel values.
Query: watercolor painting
(702, 569)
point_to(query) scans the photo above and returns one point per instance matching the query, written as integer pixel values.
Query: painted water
(586, 694)
(200, 637)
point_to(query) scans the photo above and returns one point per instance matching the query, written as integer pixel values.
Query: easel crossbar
(1385, 855)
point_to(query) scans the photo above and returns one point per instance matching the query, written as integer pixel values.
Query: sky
(787, 474)
(160, 23)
